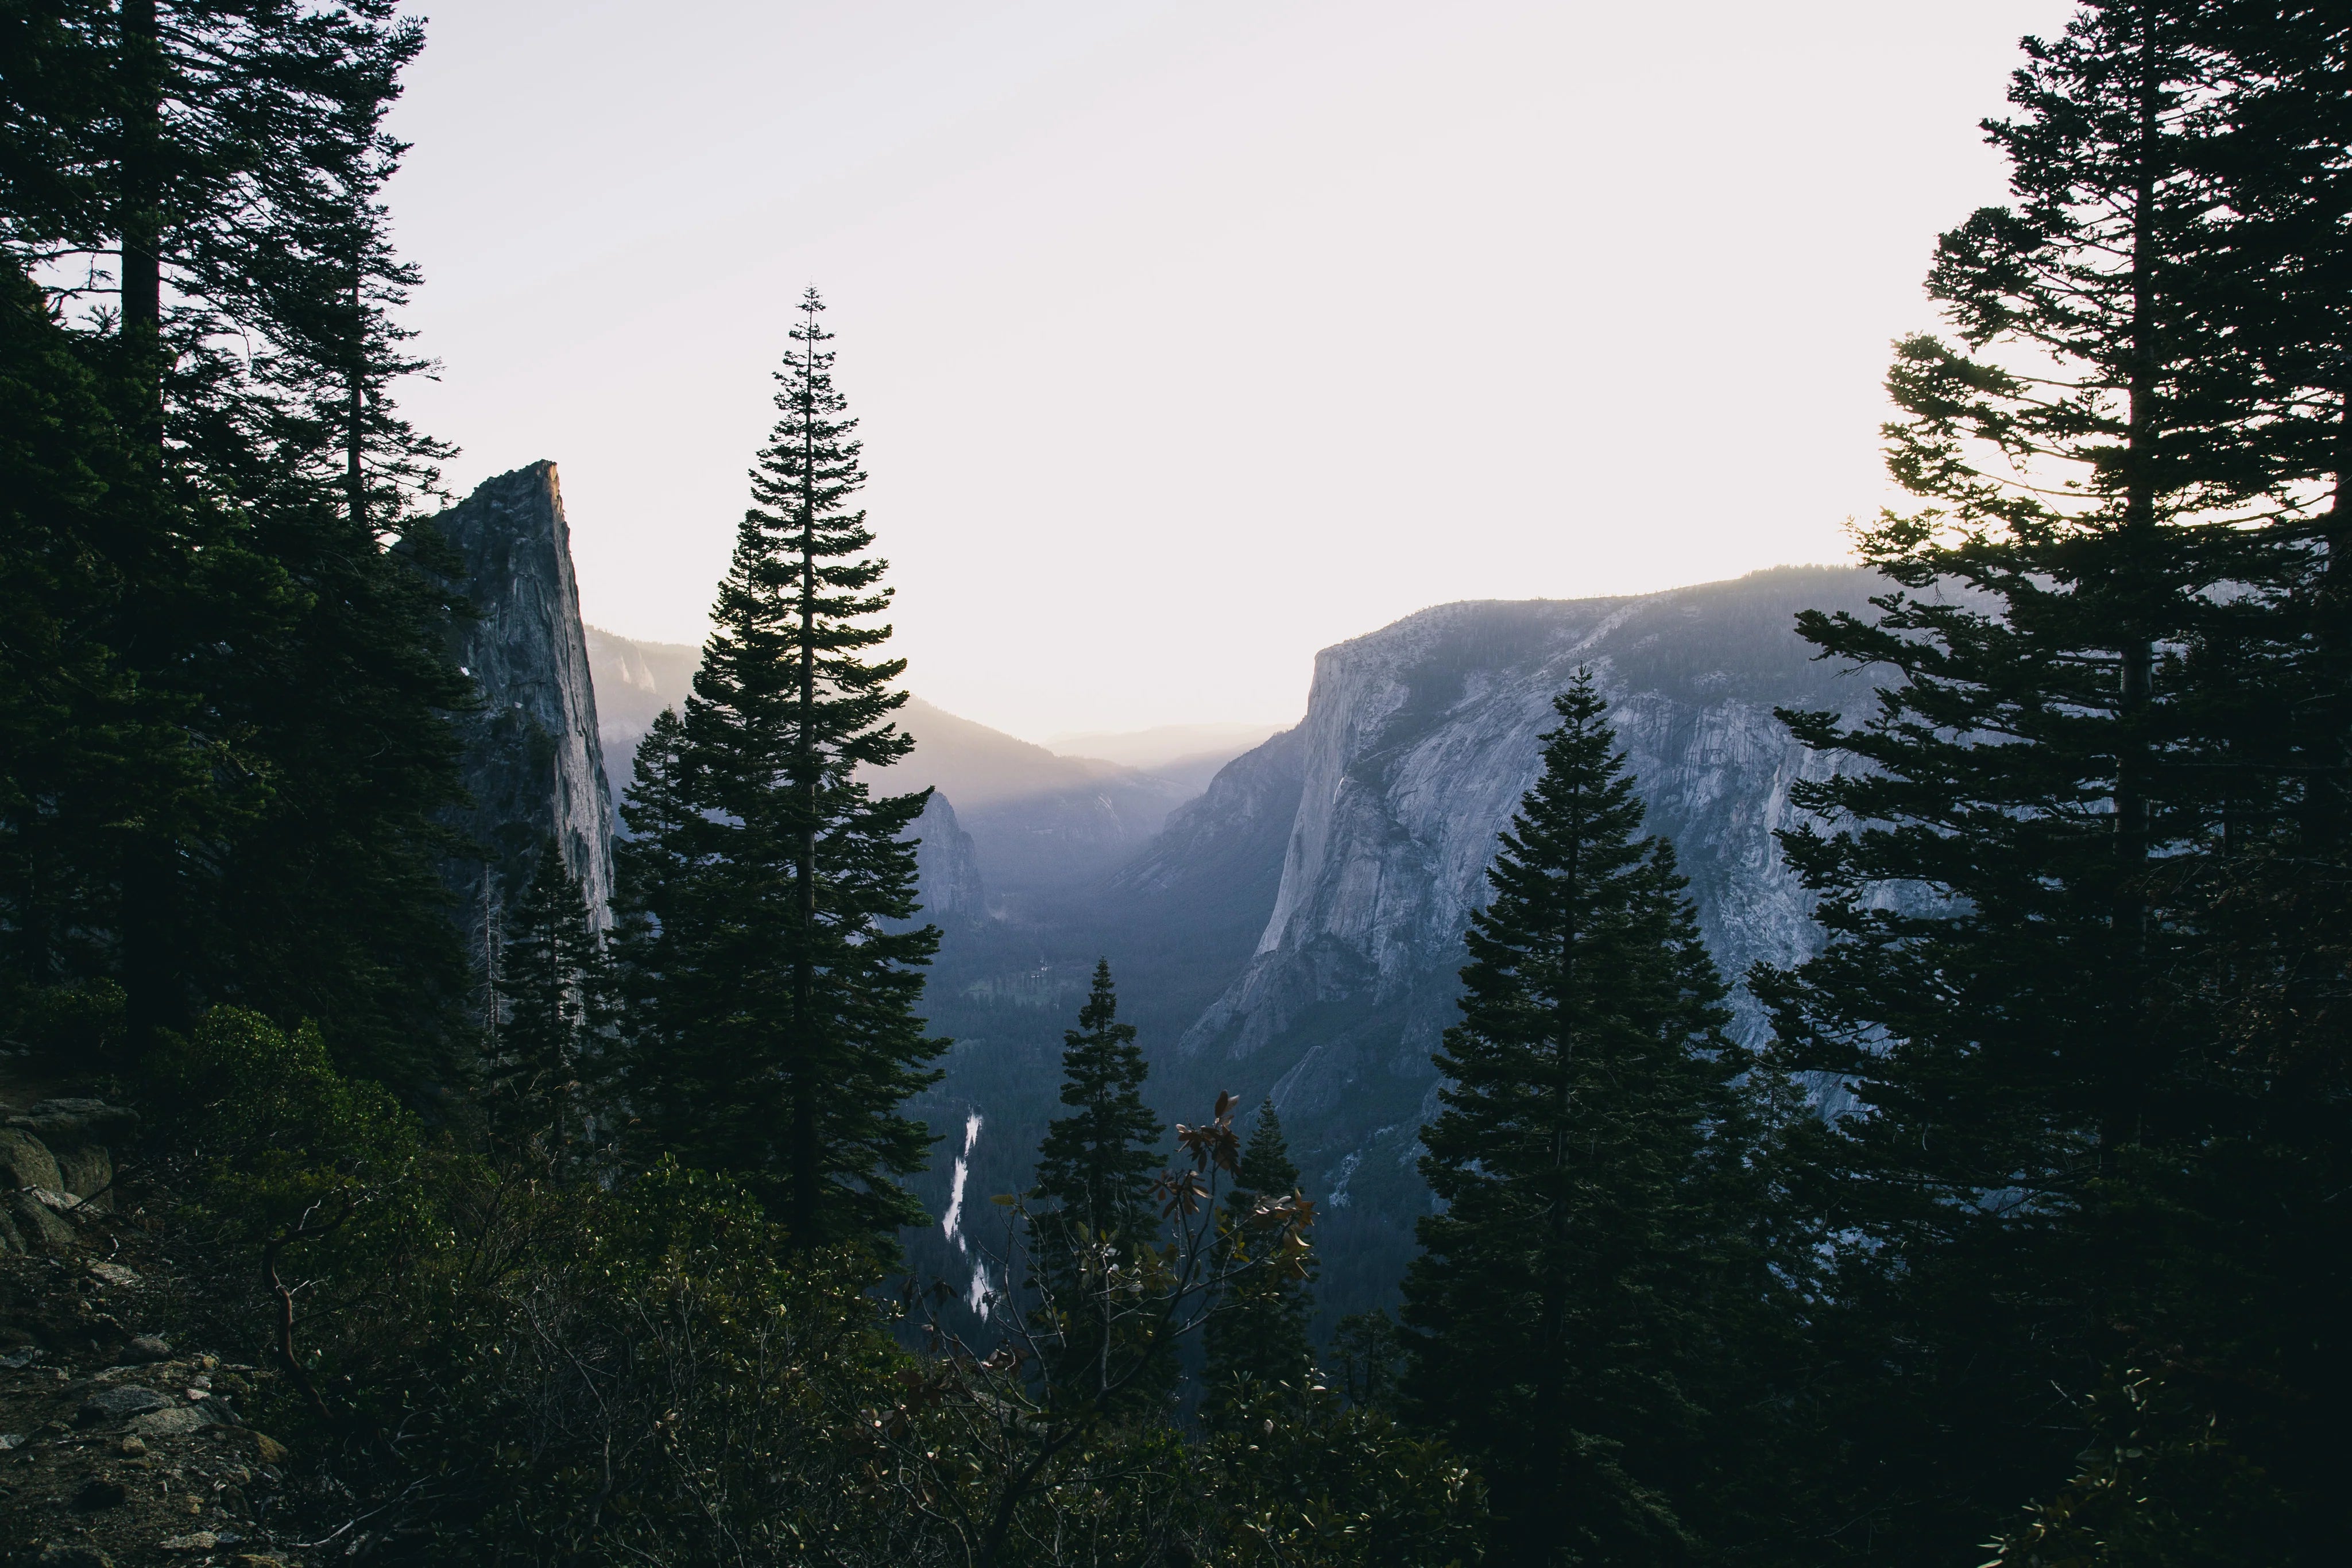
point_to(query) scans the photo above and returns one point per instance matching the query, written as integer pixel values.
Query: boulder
(58, 1122)
(26, 1160)
(118, 1404)
(88, 1173)
(38, 1224)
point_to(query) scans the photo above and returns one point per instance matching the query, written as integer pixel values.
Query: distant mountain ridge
(1039, 823)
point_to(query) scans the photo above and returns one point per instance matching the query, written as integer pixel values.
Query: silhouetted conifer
(1565, 1314)
(776, 1033)
(1093, 1228)
(2087, 724)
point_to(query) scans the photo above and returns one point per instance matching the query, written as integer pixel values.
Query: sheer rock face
(947, 868)
(534, 763)
(1419, 741)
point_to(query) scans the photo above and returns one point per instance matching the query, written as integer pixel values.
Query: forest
(2024, 1239)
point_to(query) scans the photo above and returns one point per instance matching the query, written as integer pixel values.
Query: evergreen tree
(552, 989)
(2082, 734)
(1256, 1339)
(1561, 1317)
(776, 1035)
(1093, 1228)
(206, 173)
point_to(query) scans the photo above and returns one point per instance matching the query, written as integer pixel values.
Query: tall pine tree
(198, 181)
(2080, 728)
(776, 1034)
(1560, 1317)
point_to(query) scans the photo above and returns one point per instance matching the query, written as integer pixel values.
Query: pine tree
(1093, 1231)
(1560, 1316)
(204, 172)
(2077, 734)
(776, 1035)
(553, 993)
(1256, 1339)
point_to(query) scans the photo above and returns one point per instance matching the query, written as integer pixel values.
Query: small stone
(115, 1273)
(201, 1541)
(130, 1449)
(146, 1348)
(97, 1494)
(117, 1404)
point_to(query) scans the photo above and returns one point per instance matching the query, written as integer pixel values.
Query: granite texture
(534, 763)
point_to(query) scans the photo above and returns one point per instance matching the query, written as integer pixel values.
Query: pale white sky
(1190, 338)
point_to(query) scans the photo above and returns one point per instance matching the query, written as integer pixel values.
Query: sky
(1190, 338)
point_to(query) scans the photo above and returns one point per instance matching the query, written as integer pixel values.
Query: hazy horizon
(1189, 340)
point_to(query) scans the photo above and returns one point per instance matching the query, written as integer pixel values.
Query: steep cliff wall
(1419, 741)
(534, 762)
(947, 868)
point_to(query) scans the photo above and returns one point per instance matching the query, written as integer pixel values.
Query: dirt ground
(119, 1443)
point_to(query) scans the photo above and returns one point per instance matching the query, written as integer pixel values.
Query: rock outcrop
(534, 759)
(947, 869)
(53, 1162)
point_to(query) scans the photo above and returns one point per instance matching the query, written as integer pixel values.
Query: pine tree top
(1099, 1160)
(1265, 1162)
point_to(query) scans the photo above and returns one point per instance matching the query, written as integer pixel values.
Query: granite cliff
(534, 762)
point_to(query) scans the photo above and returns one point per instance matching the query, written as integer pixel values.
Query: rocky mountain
(534, 760)
(1295, 933)
(947, 869)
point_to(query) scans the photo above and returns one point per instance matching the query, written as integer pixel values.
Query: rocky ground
(123, 1434)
